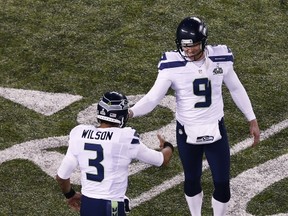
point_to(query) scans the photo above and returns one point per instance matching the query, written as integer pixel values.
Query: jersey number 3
(202, 87)
(96, 162)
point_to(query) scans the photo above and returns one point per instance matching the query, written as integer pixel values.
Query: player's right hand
(161, 140)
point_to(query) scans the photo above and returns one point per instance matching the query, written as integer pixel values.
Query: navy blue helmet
(191, 31)
(113, 107)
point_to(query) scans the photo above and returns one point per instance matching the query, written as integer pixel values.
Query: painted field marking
(44, 103)
(251, 182)
(50, 103)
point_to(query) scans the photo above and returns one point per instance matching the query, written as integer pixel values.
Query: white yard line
(252, 182)
(45, 103)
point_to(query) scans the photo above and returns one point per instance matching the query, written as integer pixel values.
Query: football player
(103, 154)
(196, 72)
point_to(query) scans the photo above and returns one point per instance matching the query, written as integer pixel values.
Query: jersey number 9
(202, 87)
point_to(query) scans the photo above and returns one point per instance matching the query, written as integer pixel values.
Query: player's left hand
(255, 131)
(75, 202)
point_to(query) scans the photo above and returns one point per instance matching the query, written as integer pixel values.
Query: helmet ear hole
(178, 44)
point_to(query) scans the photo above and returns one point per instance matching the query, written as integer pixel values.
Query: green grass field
(84, 48)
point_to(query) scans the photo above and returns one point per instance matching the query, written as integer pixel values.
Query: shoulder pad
(133, 134)
(220, 53)
(81, 127)
(79, 130)
(171, 59)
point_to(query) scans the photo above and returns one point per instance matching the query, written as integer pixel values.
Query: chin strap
(200, 54)
(186, 58)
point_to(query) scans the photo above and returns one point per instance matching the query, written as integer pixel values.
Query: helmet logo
(196, 19)
(124, 104)
(203, 30)
(102, 112)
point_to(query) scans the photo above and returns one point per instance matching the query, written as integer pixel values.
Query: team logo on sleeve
(217, 70)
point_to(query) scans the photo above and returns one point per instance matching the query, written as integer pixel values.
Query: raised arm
(156, 158)
(152, 98)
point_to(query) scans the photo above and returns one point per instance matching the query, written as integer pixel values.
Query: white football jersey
(198, 88)
(103, 156)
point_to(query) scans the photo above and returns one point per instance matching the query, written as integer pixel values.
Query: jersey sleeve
(220, 53)
(158, 91)
(149, 156)
(239, 94)
(139, 151)
(69, 163)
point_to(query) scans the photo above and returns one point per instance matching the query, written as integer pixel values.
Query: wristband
(70, 194)
(167, 144)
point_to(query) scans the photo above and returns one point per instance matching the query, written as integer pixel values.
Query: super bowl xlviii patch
(217, 70)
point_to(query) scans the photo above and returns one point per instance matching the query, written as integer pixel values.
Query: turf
(88, 47)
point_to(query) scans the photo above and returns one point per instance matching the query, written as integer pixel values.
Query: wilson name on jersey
(103, 155)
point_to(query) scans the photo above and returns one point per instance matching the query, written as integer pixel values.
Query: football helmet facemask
(191, 31)
(113, 107)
